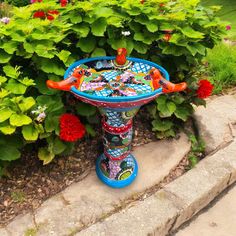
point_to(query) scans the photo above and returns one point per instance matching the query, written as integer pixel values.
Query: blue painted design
(114, 183)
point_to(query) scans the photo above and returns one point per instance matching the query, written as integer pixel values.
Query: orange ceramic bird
(121, 56)
(167, 87)
(73, 80)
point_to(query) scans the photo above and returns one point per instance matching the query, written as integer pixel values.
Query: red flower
(142, 1)
(162, 4)
(50, 17)
(39, 14)
(53, 12)
(167, 37)
(205, 89)
(71, 129)
(63, 3)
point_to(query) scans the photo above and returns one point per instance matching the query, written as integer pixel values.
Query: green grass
(227, 13)
(222, 66)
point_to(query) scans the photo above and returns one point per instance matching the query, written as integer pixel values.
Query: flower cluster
(125, 33)
(63, 3)
(39, 113)
(43, 15)
(205, 89)
(5, 20)
(71, 129)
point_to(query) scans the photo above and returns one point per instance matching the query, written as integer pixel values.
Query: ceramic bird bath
(118, 86)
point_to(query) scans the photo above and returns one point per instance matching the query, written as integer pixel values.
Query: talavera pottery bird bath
(118, 86)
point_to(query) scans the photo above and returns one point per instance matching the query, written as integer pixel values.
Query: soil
(30, 182)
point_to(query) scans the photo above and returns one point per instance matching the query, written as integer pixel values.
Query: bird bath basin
(118, 89)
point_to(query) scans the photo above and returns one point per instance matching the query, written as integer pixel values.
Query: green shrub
(18, 3)
(174, 34)
(5, 10)
(221, 63)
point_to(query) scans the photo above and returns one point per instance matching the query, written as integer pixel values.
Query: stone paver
(85, 202)
(219, 220)
(143, 219)
(215, 121)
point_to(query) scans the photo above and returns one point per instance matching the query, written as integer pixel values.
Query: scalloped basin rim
(116, 99)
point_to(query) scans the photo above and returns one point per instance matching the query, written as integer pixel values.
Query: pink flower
(228, 27)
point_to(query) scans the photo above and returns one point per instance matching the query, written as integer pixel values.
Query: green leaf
(6, 128)
(75, 17)
(20, 120)
(26, 81)
(85, 109)
(103, 12)
(43, 50)
(63, 55)
(30, 133)
(82, 30)
(58, 146)
(49, 66)
(4, 93)
(9, 153)
(2, 80)
(26, 104)
(161, 99)
(45, 156)
(90, 130)
(11, 71)
(4, 57)
(16, 87)
(28, 47)
(182, 113)
(10, 47)
(99, 26)
(152, 27)
(5, 113)
(98, 52)
(161, 125)
(51, 123)
(171, 107)
(141, 47)
(191, 33)
(87, 44)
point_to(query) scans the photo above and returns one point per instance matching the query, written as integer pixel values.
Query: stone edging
(177, 202)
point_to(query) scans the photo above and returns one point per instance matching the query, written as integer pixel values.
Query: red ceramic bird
(121, 56)
(167, 87)
(73, 80)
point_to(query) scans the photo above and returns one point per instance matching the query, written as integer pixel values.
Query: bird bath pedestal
(118, 91)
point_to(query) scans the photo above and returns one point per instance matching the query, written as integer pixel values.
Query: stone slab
(215, 120)
(20, 225)
(85, 202)
(219, 220)
(145, 218)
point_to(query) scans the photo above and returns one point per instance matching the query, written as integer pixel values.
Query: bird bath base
(117, 167)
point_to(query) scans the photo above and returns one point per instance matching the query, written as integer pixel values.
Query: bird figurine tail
(167, 87)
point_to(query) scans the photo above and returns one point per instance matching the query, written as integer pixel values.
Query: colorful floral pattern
(108, 81)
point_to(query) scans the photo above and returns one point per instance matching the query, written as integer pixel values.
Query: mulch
(30, 183)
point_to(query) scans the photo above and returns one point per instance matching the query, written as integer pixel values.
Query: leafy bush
(174, 34)
(221, 66)
(18, 3)
(5, 10)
